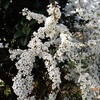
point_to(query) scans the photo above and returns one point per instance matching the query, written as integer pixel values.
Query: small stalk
(52, 1)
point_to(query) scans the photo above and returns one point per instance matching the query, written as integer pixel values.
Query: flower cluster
(87, 60)
(23, 80)
(88, 10)
(4, 46)
(82, 57)
(31, 15)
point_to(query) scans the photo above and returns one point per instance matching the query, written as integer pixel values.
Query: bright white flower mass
(83, 57)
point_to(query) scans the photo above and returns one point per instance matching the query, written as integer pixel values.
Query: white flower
(82, 57)
(1, 45)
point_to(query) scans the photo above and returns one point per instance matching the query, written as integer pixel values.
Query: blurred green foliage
(5, 90)
(13, 26)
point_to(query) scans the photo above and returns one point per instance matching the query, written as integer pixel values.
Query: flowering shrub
(54, 44)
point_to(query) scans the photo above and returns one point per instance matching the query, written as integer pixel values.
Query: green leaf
(18, 26)
(26, 30)
(32, 22)
(18, 34)
(24, 40)
(24, 22)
